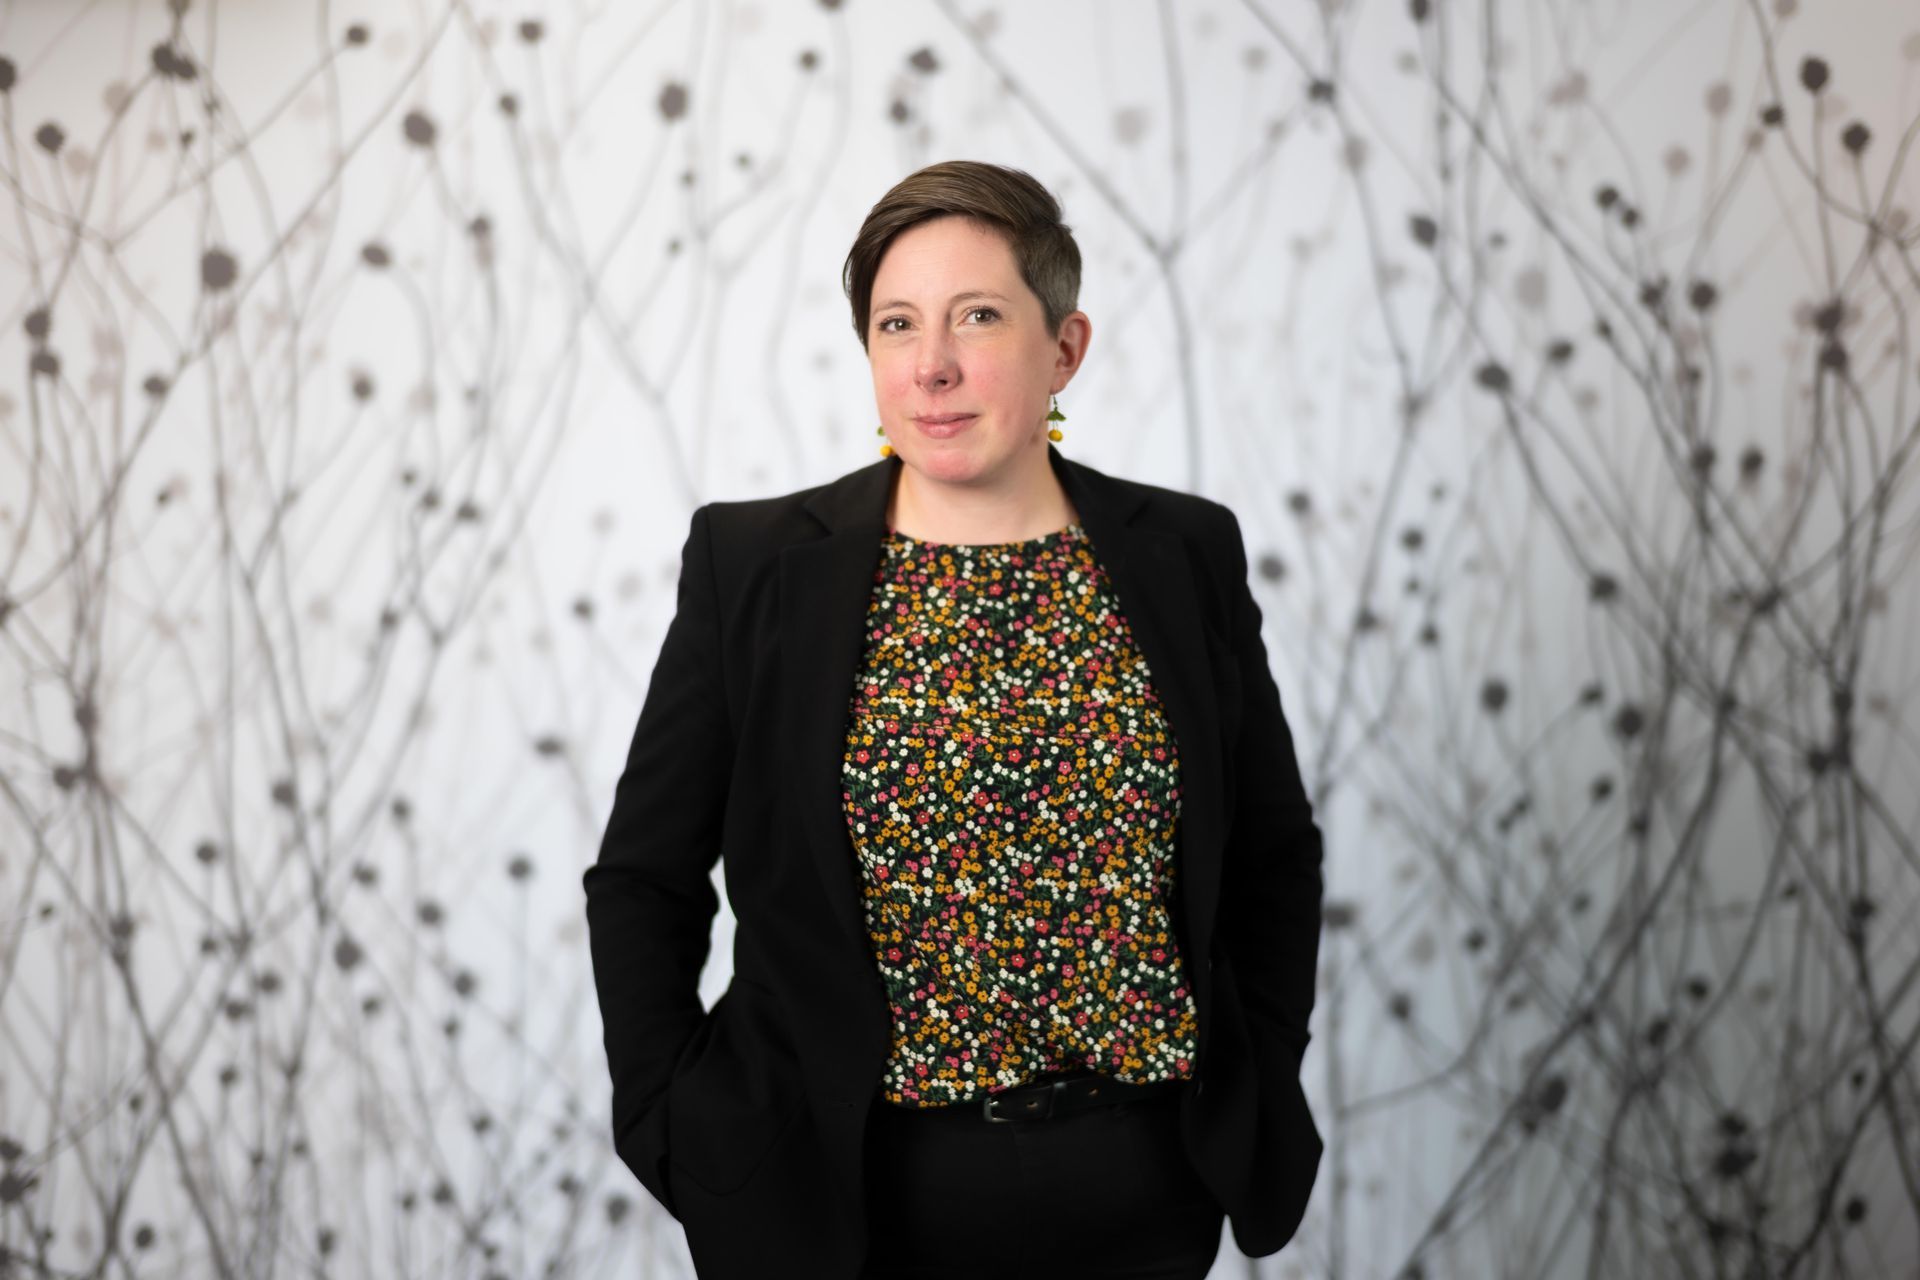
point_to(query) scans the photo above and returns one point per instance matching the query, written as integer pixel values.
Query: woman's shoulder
(1206, 522)
(1194, 512)
(777, 520)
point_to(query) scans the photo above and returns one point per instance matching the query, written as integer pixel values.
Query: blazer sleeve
(650, 895)
(1271, 885)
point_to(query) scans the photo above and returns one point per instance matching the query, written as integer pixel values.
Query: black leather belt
(1052, 1098)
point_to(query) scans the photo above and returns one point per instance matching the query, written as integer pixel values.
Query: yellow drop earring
(886, 450)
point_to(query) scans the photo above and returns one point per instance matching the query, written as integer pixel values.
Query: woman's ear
(1070, 345)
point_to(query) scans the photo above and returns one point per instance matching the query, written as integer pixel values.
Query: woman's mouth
(944, 426)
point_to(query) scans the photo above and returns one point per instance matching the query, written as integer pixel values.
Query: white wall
(652, 318)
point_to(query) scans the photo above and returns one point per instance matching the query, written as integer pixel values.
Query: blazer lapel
(825, 586)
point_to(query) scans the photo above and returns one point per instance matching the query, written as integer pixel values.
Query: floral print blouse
(1013, 794)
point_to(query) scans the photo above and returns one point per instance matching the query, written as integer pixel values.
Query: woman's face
(962, 361)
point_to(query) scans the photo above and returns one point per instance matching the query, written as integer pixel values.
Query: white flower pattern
(1012, 789)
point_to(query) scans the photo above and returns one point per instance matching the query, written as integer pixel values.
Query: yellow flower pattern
(1012, 790)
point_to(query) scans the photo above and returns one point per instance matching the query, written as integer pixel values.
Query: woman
(1026, 881)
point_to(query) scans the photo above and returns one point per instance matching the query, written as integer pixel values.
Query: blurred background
(364, 361)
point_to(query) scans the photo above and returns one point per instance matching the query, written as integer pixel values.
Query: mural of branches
(362, 365)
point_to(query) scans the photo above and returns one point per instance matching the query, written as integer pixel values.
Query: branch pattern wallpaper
(363, 362)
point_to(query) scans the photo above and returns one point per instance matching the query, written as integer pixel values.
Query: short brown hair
(1006, 200)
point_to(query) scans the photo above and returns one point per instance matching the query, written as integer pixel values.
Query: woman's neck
(967, 514)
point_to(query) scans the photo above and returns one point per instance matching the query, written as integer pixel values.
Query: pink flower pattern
(1012, 791)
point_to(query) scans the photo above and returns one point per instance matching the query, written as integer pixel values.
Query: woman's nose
(934, 363)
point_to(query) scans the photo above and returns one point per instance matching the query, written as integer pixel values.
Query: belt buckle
(1057, 1088)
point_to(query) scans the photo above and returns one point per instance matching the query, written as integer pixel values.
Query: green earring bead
(1054, 415)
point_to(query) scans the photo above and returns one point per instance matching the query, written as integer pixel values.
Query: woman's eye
(881, 325)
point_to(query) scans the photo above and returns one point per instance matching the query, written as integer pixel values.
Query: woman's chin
(949, 464)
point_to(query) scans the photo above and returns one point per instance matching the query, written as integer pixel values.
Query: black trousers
(1107, 1192)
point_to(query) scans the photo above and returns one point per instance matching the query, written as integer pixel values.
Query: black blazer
(746, 1120)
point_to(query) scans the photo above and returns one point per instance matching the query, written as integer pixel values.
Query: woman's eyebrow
(967, 296)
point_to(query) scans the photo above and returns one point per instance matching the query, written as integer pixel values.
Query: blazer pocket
(721, 1120)
(720, 1151)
